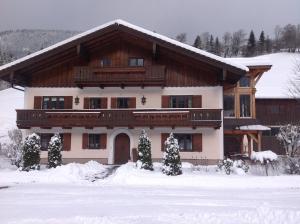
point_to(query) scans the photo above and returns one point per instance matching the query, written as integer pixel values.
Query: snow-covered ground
(70, 194)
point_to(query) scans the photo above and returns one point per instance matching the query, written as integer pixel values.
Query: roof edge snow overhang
(220, 62)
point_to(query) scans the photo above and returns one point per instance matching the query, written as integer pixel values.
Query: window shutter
(197, 142)
(103, 103)
(86, 103)
(165, 101)
(37, 104)
(68, 102)
(197, 101)
(103, 139)
(164, 137)
(113, 103)
(85, 141)
(132, 102)
(67, 141)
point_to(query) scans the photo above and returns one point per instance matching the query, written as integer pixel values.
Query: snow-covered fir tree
(144, 152)
(171, 159)
(54, 151)
(31, 152)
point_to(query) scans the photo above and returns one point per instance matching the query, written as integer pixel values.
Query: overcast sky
(168, 17)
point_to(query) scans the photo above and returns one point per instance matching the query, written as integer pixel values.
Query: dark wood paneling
(275, 112)
(165, 101)
(197, 101)
(120, 118)
(67, 141)
(68, 102)
(113, 102)
(103, 140)
(37, 102)
(197, 142)
(86, 103)
(85, 141)
(103, 103)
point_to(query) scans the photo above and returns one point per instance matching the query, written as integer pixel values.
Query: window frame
(91, 99)
(122, 99)
(136, 60)
(187, 101)
(94, 145)
(250, 106)
(188, 146)
(58, 105)
(234, 105)
(248, 83)
(105, 62)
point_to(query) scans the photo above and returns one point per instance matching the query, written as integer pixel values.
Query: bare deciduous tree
(181, 37)
(289, 136)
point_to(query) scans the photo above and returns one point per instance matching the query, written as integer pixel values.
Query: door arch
(121, 149)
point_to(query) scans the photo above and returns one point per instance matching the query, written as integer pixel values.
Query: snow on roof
(253, 61)
(275, 82)
(134, 27)
(254, 128)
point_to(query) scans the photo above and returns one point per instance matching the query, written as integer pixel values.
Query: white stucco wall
(212, 139)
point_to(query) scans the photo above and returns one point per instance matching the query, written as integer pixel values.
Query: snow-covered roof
(252, 62)
(257, 127)
(134, 27)
(275, 82)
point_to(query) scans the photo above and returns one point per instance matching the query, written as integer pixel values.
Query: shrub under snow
(229, 166)
(144, 152)
(54, 151)
(264, 156)
(171, 159)
(31, 152)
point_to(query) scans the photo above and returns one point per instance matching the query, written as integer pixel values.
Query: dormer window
(136, 62)
(105, 62)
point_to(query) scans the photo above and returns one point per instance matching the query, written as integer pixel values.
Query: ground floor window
(184, 141)
(94, 141)
(45, 139)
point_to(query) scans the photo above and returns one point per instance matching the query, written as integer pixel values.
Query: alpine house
(100, 88)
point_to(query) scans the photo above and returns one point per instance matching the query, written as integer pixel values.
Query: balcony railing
(120, 118)
(127, 76)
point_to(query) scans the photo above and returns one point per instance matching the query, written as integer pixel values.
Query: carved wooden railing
(120, 118)
(111, 76)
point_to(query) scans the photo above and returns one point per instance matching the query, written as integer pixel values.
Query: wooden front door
(122, 149)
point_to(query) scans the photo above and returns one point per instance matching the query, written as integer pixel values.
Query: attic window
(136, 62)
(105, 62)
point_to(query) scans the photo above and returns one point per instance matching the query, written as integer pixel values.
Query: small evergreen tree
(54, 151)
(268, 44)
(211, 44)
(251, 45)
(261, 43)
(31, 152)
(217, 49)
(171, 159)
(198, 42)
(144, 152)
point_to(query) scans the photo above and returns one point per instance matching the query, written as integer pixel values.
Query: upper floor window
(181, 101)
(105, 62)
(95, 103)
(136, 62)
(229, 106)
(184, 141)
(122, 102)
(53, 102)
(245, 106)
(245, 81)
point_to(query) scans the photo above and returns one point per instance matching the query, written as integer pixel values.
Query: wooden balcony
(120, 76)
(119, 118)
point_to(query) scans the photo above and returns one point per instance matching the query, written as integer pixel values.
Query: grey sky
(168, 17)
